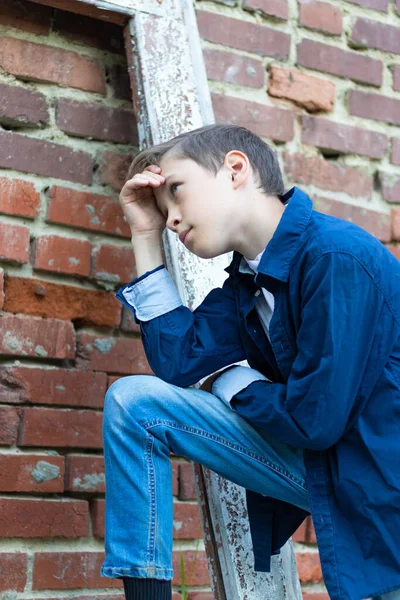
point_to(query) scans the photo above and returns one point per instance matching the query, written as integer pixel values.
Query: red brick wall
(319, 80)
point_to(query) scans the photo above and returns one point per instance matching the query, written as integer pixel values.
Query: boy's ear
(238, 166)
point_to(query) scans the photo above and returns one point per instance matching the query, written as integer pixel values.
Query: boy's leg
(146, 418)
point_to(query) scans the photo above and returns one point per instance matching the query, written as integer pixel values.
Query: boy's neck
(259, 225)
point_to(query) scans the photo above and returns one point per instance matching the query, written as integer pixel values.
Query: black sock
(139, 588)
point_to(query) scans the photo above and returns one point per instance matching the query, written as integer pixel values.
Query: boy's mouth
(183, 235)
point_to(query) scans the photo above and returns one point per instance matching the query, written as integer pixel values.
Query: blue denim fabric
(144, 419)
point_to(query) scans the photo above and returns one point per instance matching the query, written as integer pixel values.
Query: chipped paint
(12, 342)
(89, 481)
(40, 351)
(104, 345)
(45, 471)
(73, 260)
(60, 388)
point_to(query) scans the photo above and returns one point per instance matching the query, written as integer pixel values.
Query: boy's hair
(208, 146)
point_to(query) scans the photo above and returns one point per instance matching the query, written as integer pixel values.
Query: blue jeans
(146, 418)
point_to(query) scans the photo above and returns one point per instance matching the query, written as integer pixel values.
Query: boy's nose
(173, 222)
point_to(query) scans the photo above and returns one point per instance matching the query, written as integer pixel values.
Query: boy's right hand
(139, 204)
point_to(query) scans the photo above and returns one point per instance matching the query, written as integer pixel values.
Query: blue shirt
(333, 365)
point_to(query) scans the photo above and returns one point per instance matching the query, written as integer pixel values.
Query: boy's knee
(129, 391)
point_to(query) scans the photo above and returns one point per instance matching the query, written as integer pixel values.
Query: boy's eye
(173, 187)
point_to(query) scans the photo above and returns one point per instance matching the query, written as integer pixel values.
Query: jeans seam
(197, 431)
(152, 537)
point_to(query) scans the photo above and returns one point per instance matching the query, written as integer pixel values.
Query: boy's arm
(341, 317)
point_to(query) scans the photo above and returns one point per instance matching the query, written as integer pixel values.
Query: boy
(313, 426)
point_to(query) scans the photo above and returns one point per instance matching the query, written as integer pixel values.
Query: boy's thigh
(197, 425)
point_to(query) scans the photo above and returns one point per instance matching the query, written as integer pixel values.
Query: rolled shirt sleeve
(233, 381)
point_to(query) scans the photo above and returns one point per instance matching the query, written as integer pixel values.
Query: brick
(309, 567)
(376, 223)
(31, 336)
(44, 158)
(83, 119)
(14, 243)
(97, 508)
(19, 198)
(13, 567)
(35, 473)
(390, 186)
(60, 428)
(187, 487)
(328, 175)
(371, 34)
(22, 107)
(396, 78)
(312, 93)
(175, 481)
(321, 16)
(271, 8)
(113, 264)
(112, 379)
(395, 250)
(58, 387)
(381, 5)
(84, 474)
(374, 106)
(241, 35)
(29, 518)
(87, 31)
(267, 121)
(395, 156)
(114, 169)
(50, 300)
(128, 324)
(311, 535)
(200, 596)
(186, 523)
(9, 423)
(1, 288)
(344, 139)
(69, 570)
(233, 68)
(114, 355)
(62, 255)
(336, 61)
(118, 77)
(87, 211)
(37, 62)
(300, 535)
(316, 596)
(27, 16)
(196, 569)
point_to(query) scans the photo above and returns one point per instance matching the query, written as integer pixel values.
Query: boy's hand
(138, 202)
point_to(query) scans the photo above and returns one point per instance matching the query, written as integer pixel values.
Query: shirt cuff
(151, 295)
(234, 381)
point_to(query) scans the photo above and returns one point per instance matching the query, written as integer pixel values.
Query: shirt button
(258, 292)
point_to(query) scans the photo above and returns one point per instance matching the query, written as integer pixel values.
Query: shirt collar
(281, 249)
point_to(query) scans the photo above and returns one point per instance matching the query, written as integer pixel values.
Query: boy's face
(195, 200)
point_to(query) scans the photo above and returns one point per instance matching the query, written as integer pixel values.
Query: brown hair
(208, 146)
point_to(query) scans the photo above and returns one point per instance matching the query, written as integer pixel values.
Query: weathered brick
(112, 379)
(128, 323)
(87, 31)
(395, 156)
(300, 535)
(9, 423)
(272, 8)
(309, 567)
(84, 473)
(186, 523)
(233, 68)
(390, 186)
(63, 387)
(2, 289)
(31, 473)
(114, 168)
(50, 300)
(87, 211)
(113, 264)
(267, 121)
(371, 34)
(345, 139)
(376, 223)
(200, 596)
(119, 81)
(327, 175)
(396, 78)
(196, 569)
(13, 566)
(32, 336)
(44, 158)
(22, 107)
(69, 570)
(62, 255)
(28, 16)
(14, 243)
(19, 198)
(380, 5)
(29, 518)
(374, 106)
(37, 62)
(187, 487)
(60, 428)
(321, 16)
(175, 481)
(97, 508)
(97, 121)
(336, 61)
(239, 34)
(312, 93)
(115, 355)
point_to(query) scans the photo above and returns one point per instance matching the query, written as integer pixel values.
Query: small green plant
(184, 592)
